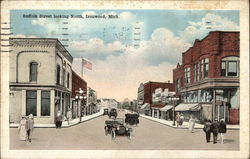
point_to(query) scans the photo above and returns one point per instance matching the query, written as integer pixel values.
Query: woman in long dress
(22, 129)
(191, 123)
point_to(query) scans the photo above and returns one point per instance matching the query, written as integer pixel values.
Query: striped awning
(145, 106)
(188, 107)
(166, 108)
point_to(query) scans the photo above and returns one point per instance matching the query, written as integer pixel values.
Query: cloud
(210, 22)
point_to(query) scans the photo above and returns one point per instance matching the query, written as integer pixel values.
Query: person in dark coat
(207, 129)
(215, 130)
(222, 129)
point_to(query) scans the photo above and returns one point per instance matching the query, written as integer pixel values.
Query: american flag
(87, 64)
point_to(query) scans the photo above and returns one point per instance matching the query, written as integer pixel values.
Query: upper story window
(187, 75)
(33, 71)
(63, 77)
(67, 80)
(206, 67)
(178, 85)
(230, 66)
(58, 74)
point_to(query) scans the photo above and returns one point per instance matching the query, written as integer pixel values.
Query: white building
(160, 98)
(40, 79)
(107, 103)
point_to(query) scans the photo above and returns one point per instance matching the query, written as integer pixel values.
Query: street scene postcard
(125, 79)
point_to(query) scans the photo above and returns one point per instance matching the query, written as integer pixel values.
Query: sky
(132, 47)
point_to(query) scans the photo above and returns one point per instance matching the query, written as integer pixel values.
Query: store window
(45, 105)
(33, 71)
(230, 66)
(31, 104)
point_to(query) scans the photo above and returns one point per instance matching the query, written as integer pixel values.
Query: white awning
(145, 105)
(166, 108)
(187, 107)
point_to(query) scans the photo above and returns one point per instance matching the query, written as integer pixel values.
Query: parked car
(113, 113)
(117, 127)
(132, 118)
(106, 112)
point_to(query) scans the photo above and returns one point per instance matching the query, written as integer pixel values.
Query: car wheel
(106, 132)
(113, 134)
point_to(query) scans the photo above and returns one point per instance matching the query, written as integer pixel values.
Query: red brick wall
(215, 46)
(150, 87)
(77, 82)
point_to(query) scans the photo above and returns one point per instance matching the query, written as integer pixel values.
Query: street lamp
(79, 96)
(173, 99)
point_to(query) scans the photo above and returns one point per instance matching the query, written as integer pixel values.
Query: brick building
(145, 93)
(77, 82)
(208, 78)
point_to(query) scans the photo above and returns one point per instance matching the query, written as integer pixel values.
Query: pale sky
(138, 46)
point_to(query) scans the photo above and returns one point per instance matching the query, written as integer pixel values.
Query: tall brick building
(145, 92)
(208, 78)
(77, 82)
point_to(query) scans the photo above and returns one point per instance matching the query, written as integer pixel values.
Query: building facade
(78, 106)
(105, 103)
(145, 94)
(91, 101)
(208, 78)
(40, 79)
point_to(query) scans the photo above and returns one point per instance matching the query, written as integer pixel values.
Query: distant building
(105, 103)
(208, 78)
(40, 79)
(145, 94)
(78, 82)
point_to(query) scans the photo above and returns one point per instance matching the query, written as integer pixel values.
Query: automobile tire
(113, 134)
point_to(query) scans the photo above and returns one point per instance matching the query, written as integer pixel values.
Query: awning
(188, 107)
(145, 105)
(166, 108)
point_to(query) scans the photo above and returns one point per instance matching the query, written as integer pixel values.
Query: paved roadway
(148, 135)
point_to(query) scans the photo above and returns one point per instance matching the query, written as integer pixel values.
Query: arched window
(68, 80)
(58, 74)
(33, 71)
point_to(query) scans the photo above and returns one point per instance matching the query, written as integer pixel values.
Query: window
(58, 69)
(198, 71)
(45, 105)
(195, 73)
(223, 68)
(63, 77)
(33, 71)
(177, 85)
(31, 97)
(187, 75)
(206, 67)
(230, 66)
(201, 69)
(68, 80)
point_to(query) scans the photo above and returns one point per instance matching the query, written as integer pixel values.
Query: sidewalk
(185, 124)
(65, 123)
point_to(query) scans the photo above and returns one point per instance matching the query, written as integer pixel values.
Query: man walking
(222, 129)
(215, 130)
(30, 127)
(207, 130)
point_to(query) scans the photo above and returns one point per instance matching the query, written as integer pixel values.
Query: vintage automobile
(132, 118)
(106, 112)
(113, 113)
(117, 127)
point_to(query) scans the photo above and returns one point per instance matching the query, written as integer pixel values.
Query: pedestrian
(178, 119)
(181, 119)
(222, 129)
(215, 130)
(30, 127)
(191, 123)
(207, 130)
(22, 129)
(69, 116)
(58, 120)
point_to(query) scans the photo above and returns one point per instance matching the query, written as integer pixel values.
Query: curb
(63, 126)
(179, 127)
